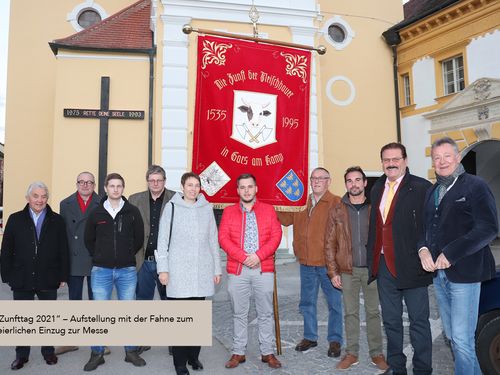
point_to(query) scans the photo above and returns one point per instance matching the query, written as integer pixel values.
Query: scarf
(445, 182)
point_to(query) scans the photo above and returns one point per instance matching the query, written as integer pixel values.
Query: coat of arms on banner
(254, 118)
(213, 178)
(291, 186)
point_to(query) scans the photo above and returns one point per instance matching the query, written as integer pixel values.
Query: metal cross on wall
(103, 114)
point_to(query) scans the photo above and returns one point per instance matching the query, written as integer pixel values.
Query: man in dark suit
(396, 225)
(75, 210)
(460, 222)
(150, 204)
(34, 258)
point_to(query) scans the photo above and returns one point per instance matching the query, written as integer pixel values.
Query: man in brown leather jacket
(309, 247)
(345, 246)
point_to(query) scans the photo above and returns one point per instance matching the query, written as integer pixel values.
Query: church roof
(125, 31)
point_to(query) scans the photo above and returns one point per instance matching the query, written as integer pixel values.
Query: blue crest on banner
(291, 186)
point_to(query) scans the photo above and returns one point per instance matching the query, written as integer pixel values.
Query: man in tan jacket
(345, 241)
(309, 247)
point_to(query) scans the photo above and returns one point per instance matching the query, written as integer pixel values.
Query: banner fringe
(289, 208)
(221, 206)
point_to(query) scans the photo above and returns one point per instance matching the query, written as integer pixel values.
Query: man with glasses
(75, 211)
(150, 204)
(309, 246)
(396, 224)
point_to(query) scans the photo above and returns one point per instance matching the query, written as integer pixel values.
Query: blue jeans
(75, 287)
(458, 307)
(103, 280)
(311, 277)
(147, 280)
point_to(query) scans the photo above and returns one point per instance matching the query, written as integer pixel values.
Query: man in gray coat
(75, 210)
(150, 204)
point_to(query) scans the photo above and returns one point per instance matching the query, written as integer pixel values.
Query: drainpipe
(396, 89)
(392, 39)
(150, 109)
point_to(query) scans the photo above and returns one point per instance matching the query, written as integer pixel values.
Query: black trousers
(183, 354)
(29, 295)
(417, 304)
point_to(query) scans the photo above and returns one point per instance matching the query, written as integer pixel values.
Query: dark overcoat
(407, 229)
(28, 263)
(462, 228)
(75, 219)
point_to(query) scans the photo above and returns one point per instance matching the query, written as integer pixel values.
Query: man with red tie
(396, 224)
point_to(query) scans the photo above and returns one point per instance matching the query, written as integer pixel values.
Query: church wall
(77, 139)
(353, 132)
(31, 77)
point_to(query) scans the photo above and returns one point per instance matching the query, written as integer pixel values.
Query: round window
(88, 17)
(336, 33)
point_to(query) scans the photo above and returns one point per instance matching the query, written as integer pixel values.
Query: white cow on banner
(255, 129)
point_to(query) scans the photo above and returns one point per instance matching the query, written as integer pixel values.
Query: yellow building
(352, 96)
(449, 82)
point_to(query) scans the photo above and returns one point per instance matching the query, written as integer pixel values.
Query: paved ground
(315, 361)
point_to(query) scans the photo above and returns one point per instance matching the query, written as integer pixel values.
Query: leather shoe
(18, 363)
(305, 344)
(50, 359)
(334, 349)
(195, 364)
(235, 360)
(271, 361)
(181, 370)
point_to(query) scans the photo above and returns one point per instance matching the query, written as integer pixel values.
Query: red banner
(252, 116)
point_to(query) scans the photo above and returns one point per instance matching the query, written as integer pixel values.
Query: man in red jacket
(250, 233)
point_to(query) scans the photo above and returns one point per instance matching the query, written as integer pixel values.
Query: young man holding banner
(250, 234)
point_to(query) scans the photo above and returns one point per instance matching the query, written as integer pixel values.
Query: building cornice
(450, 17)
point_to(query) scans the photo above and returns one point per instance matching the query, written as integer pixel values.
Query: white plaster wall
(483, 57)
(415, 137)
(424, 82)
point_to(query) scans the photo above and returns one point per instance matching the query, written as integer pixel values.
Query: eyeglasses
(154, 182)
(85, 183)
(319, 178)
(394, 160)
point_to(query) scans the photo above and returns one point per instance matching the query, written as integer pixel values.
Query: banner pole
(188, 29)
(276, 314)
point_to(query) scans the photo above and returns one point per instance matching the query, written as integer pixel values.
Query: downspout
(150, 109)
(392, 38)
(396, 89)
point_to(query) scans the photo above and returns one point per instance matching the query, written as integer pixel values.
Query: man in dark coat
(34, 258)
(396, 225)
(460, 222)
(75, 211)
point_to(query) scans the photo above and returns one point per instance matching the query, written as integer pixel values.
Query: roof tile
(127, 29)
